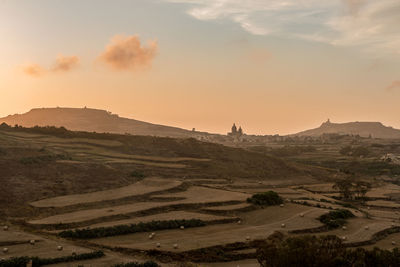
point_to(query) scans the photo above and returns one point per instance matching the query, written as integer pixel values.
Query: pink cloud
(65, 63)
(34, 70)
(394, 85)
(127, 53)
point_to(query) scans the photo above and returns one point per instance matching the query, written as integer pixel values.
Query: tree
(345, 150)
(361, 189)
(345, 188)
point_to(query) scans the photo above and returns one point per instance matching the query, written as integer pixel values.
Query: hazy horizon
(270, 66)
(205, 130)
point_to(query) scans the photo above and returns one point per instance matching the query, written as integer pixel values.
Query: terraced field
(360, 229)
(145, 186)
(256, 225)
(18, 243)
(107, 185)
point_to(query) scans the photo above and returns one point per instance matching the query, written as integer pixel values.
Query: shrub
(336, 218)
(327, 251)
(44, 158)
(36, 261)
(130, 228)
(267, 198)
(137, 264)
(137, 174)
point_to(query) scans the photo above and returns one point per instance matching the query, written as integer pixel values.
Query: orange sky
(203, 66)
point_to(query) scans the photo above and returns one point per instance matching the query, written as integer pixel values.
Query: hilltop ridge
(91, 120)
(364, 129)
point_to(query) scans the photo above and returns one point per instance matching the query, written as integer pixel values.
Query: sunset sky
(272, 66)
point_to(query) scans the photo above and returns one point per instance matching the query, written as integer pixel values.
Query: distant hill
(364, 129)
(92, 120)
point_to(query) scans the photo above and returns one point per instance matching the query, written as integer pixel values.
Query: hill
(364, 129)
(47, 161)
(91, 120)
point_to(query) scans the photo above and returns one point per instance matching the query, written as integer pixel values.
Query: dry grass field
(145, 186)
(176, 215)
(257, 224)
(18, 243)
(356, 229)
(88, 181)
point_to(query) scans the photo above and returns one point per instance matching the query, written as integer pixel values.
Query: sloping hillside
(91, 120)
(44, 162)
(364, 129)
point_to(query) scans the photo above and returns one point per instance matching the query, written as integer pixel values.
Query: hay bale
(283, 225)
(5, 250)
(247, 237)
(301, 214)
(158, 245)
(182, 227)
(344, 238)
(59, 248)
(281, 205)
(239, 222)
(150, 236)
(5, 227)
(366, 227)
(32, 242)
(344, 228)
(153, 234)
(393, 243)
(175, 246)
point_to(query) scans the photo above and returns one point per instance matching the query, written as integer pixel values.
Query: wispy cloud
(127, 53)
(370, 24)
(354, 5)
(61, 64)
(65, 63)
(34, 70)
(394, 85)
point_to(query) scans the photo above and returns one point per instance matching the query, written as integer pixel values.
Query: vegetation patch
(269, 198)
(358, 151)
(130, 228)
(44, 158)
(36, 261)
(137, 264)
(137, 174)
(328, 251)
(336, 218)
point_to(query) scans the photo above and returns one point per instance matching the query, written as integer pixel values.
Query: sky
(271, 66)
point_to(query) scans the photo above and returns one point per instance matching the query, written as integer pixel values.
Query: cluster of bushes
(336, 218)
(267, 198)
(137, 264)
(354, 151)
(137, 174)
(2, 151)
(359, 167)
(36, 261)
(130, 228)
(285, 151)
(327, 251)
(44, 158)
(288, 151)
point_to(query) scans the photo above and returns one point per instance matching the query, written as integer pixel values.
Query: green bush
(137, 174)
(130, 228)
(36, 261)
(137, 264)
(336, 218)
(44, 158)
(267, 198)
(327, 251)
